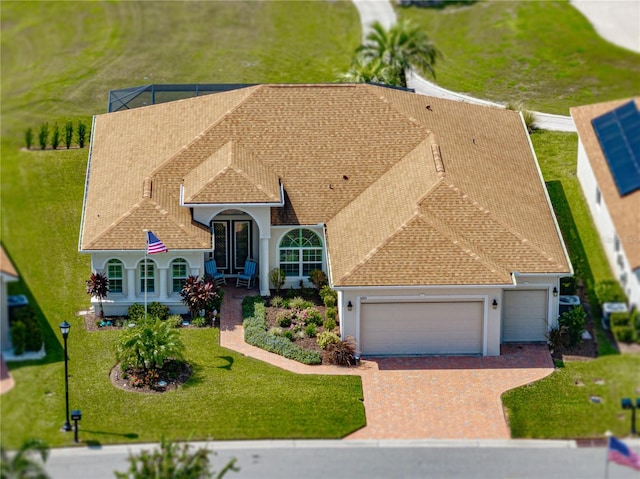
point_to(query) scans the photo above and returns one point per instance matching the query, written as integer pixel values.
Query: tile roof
(623, 209)
(449, 194)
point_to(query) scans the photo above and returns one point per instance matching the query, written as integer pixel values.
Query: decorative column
(264, 267)
(164, 273)
(131, 284)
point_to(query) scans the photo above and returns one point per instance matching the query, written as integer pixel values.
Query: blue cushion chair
(211, 269)
(247, 277)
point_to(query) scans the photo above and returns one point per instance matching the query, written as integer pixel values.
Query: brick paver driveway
(417, 397)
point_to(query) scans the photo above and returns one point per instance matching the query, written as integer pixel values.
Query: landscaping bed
(173, 375)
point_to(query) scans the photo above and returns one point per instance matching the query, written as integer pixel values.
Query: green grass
(557, 155)
(557, 407)
(542, 53)
(58, 62)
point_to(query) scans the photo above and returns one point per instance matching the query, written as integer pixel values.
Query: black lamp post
(64, 329)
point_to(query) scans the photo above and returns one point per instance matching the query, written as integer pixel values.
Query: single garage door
(524, 316)
(421, 328)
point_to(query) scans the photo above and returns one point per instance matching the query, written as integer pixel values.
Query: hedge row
(255, 333)
(626, 326)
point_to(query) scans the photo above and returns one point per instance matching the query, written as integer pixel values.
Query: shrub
(610, 291)
(341, 353)
(574, 321)
(43, 135)
(635, 320)
(175, 320)
(623, 334)
(158, 310)
(199, 322)
(527, 115)
(284, 318)
(327, 291)
(310, 316)
(28, 138)
(277, 302)
(568, 285)
(288, 334)
(81, 133)
(136, 312)
(277, 276)
(318, 278)
(248, 305)
(55, 137)
(331, 313)
(329, 301)
(327, 337)
(255, 333)
(311, 330)
(276, 331)
(620, 319)
(329, 324)
(19, 337)
(299, 303)
(68, 134)
(199, 294)
(299, 335)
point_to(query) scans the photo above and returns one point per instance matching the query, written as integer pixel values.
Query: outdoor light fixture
(64, 329)
(627, 403)
(76, 415)
(495, 304)
(555, 291)
(349, 306)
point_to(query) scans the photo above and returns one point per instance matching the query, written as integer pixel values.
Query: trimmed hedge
(256, 334)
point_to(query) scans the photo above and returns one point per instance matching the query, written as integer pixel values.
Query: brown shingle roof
(623, 209)
(373, 164)
(6, 266)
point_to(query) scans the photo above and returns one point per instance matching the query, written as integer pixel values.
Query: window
(115, 275)
(300, 252)
(178, 274)
(149, 275)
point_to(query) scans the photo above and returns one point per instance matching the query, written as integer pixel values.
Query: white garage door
(524, 316)
(421, 328)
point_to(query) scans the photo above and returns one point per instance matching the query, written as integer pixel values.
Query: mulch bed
(183, 374)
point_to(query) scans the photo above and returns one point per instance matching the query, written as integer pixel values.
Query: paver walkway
(416, 397)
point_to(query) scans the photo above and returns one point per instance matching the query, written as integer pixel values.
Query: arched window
(300, 252)
(179, 272)
(115, 275)
(149, 276)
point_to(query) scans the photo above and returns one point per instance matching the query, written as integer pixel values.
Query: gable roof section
(623, 209)
(229, 175)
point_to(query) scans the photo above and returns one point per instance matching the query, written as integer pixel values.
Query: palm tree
(369, 71)
(98, 287)
(148, 345)
(401, 47)
(23, 465)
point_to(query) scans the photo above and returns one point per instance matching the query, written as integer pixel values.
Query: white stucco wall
(613, 245)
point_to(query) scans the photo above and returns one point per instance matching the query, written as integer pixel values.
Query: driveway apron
(454, 397)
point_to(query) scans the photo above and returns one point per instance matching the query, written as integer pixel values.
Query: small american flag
(620, 453)
(154, 245)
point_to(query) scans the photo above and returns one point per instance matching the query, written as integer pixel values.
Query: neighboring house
(429, 216)
(609, 173)
(7, 273)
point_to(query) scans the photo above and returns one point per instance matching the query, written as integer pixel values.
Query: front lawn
(59, 62)
(542, 53)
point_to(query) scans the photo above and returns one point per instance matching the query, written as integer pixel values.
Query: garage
(396, 328)
(525, 316)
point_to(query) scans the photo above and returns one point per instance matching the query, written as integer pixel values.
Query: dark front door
(232, 244)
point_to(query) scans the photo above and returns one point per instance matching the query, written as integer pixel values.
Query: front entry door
(232, 244)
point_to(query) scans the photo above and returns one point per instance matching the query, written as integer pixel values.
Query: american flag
(154, 245)
(620, 453)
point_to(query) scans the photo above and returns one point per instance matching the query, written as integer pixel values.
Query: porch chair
(247, 277)
(211, 269)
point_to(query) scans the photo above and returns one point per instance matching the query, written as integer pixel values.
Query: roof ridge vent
(437, 159)
(146, 187)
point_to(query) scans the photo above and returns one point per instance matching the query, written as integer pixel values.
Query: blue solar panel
(618, 132)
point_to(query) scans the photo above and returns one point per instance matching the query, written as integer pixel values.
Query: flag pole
(146, 250)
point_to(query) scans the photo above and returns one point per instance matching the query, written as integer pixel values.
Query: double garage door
(421, 328)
